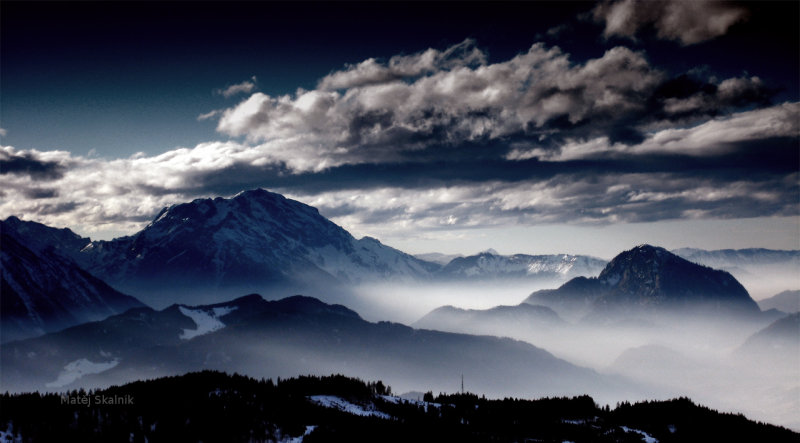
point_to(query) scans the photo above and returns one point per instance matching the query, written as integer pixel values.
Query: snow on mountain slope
(489, 264)
(334, 402)
(254, 240)
(78, 368)
(206, 321)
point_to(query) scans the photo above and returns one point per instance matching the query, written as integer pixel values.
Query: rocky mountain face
(45, 291)
(254, 241)
(281, 338)
(648, 278)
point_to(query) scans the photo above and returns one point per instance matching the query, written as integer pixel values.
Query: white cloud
(370, 71)
(3, 132)
(688, 22)
(373, 112)
(244, 87)
(713, 137)
(442, 108)
(208, 115)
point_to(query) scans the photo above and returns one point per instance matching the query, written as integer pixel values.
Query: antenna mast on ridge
(462, 383)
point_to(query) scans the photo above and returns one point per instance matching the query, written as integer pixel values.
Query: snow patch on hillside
(77, 369)
(206, 322)
(647, 437)
(331, 401)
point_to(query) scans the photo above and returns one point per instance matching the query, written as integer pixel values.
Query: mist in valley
(704, 357)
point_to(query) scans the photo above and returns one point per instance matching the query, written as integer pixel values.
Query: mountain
(211, 406)
(763, 272)
(786, 301)
(490, 265)
(282, 338)
(44, 291)
(780, 338)
(437, 257)
(38, 237)
(493, 321)
(650, 279)
(256, 240)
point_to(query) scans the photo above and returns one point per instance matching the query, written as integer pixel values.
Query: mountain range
(193, 258)
(490, 265)
(211, 250)
(283, 338)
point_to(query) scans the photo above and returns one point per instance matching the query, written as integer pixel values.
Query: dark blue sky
(123, 77)
(420, 123)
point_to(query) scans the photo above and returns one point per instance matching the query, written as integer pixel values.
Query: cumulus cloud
(742, 165)
(687, 22)
(429, 105)
(443, 139)
(370, 71)
(244, 87)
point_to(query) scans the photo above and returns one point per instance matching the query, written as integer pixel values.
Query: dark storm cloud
(29, 163)
(56, 208)
(40, 193)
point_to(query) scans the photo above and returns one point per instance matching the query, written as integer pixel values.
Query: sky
(453, 127)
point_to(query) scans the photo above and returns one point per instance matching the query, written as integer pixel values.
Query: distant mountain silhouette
(490, 321)
(786, 301)
(778, 341)
(650, 279)
(493, 266)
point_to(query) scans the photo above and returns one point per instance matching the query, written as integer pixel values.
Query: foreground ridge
(215, 406)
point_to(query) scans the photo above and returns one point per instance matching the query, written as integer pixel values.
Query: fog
(712, 359)
(764, 281)
(700, 356)
(408, 302)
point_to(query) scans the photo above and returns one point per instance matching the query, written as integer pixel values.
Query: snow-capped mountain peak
(251, 242)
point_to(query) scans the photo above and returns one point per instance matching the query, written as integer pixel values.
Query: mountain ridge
(45, 291)
(280, 338)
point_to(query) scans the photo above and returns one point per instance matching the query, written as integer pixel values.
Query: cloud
(742, 165)
(431, 104)
(208, 115)
(442, 139)
(34, 164)
(371, 72)
(244, 87)
(3, 132)
(688, 22)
